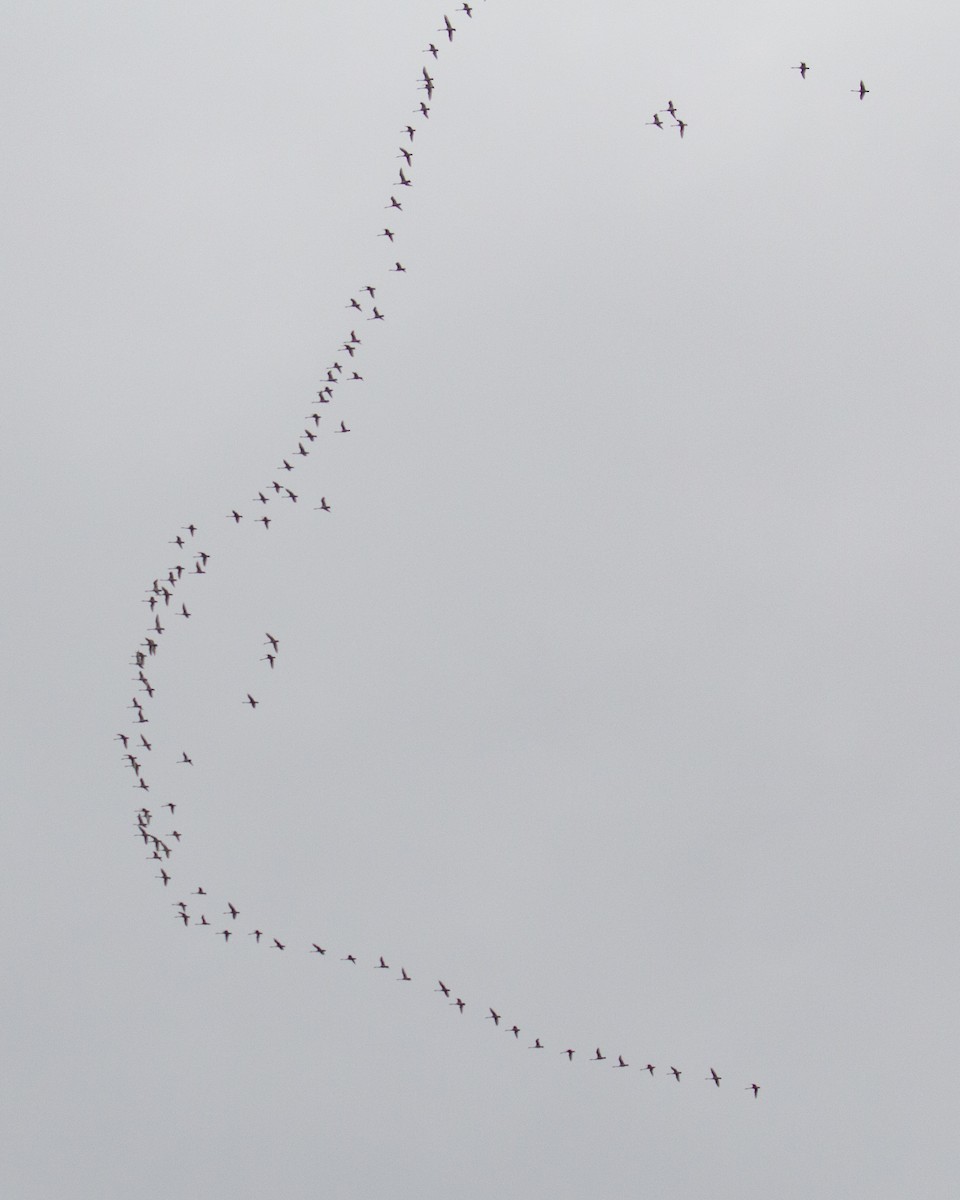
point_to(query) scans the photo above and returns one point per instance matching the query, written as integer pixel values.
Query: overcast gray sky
(619, 688)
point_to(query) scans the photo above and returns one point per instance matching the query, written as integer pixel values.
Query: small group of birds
(678, 123)
(192, 912)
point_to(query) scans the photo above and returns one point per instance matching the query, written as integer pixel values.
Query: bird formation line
(194, 911)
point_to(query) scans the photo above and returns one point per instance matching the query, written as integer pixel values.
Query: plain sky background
(619, 690)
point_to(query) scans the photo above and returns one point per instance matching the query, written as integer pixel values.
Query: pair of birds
(860, 91)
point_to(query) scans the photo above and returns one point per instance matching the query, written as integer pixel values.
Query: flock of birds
(163, 597)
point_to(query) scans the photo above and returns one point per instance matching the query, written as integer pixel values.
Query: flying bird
(753, 1087)
(494, 1016)
(714, 1076)
(803, 69)
(862, 90)
(675, 1073)
(250, 700)
(448, 29)
(620, 1062)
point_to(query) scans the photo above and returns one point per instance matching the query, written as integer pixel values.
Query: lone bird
(461, 1004)
(443, 988)
(753, 1087)
(620, 1062)
(494, 1016)
(714, 1076)
(803, 69)
(569, 1054)
(675, 1073)
(250, 700)
(598, 1057)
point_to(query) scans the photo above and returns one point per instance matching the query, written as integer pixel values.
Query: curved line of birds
(161, 594)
